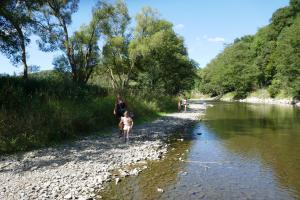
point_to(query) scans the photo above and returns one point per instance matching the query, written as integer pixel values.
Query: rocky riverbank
(286, 101)
(78, 170)
(271, 101)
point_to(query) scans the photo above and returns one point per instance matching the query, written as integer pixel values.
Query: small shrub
(274, 88)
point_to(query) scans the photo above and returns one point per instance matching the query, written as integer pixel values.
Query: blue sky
(206, 25)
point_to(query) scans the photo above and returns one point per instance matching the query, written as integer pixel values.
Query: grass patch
(260, 93)
(283, 95)
(39, 113)
(230, 96)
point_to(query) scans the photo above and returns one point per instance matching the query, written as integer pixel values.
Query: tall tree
(85, 54)
(16, 25)
(164, 63)
(54, 19)
(116, 60)
(80, 49)
(287, 59)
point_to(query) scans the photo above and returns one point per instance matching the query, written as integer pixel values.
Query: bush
(274, 88)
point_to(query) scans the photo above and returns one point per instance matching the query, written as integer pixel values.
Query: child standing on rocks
(128, 124)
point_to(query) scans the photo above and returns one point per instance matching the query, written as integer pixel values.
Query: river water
(238, 151)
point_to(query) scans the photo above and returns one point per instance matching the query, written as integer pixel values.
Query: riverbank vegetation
(43, 112)
(270, 60)
(148, 64)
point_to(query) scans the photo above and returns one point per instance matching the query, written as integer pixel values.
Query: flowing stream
(238, 151)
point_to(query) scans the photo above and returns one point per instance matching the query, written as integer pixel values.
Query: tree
(80, 50)
(54, 19)
(295, 6)
(232, 70)
(85, 54)
(162, 57)
(287, 59)
(116, 60)
(269, 59)
(16, 26)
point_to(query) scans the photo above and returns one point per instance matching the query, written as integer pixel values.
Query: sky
(206, 25)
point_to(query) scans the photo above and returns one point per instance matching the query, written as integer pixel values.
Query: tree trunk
(23, 47)
(25, 74)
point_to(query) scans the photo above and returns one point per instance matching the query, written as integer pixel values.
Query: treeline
(269, 59)
(147, 63)
(149, 56)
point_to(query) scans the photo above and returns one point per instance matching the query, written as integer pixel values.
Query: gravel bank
(78, 170)
(265, 101)
(270, 101)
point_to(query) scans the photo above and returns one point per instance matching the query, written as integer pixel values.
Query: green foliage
(275, 87)
(287, 58)
(116, 61)
(40, 112)
(36, 112)
(160, 55)
(16, 25)
(269, 59)
(260, 93)
(81, 53)
(232, 70)
(149, 65)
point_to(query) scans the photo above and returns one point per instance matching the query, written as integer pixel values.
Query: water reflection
(266, 133)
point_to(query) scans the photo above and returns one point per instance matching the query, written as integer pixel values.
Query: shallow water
(239, 151)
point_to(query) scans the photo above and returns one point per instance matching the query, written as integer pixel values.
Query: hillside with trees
(269, 59)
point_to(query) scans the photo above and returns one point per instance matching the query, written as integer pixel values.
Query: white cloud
(211, 39)
(216, 39)
(179, 26)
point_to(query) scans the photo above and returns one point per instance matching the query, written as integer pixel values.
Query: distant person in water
(185, 103)
(127, 125)
(179, 104)
(119, 110)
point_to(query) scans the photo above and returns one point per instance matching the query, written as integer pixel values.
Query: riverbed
(79, 169)
(238, 151)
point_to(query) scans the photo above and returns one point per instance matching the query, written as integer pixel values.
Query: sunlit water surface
(238, 151)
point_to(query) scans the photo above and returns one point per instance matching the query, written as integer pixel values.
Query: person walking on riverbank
(127, 125)
(119, 110)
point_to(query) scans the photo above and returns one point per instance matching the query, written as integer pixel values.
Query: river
(237, 151)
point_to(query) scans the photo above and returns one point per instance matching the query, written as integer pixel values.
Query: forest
(269, 60)
(147, 63)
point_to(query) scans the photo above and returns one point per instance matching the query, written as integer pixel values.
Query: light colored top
(127, 121)
(184, 102)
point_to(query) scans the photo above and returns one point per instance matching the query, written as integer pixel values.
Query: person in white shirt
(185, 103)
(127, 125)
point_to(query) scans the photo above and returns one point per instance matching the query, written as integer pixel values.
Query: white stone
(117, 180)
(160, 190)
(68, 196)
